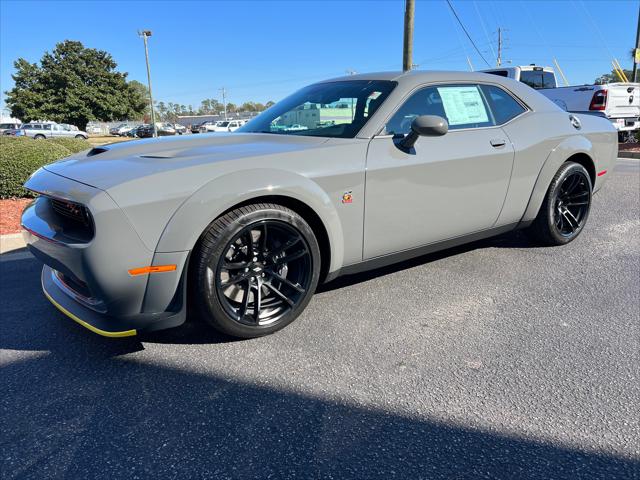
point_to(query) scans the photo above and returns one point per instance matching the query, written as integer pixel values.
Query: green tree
(248, 107)
(612, 77)
(162, 111)
(141, 91)
(73, 84)
(269, 104)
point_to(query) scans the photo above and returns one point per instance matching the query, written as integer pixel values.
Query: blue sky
(263, 50)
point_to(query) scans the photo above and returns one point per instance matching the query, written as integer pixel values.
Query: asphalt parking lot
(493, 360)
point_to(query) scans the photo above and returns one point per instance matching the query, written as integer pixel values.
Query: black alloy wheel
(264, 273)
(572, 203)
(566, 206)
(257, 268)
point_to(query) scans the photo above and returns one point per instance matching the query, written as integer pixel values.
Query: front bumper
(104, 324)
(88, 278)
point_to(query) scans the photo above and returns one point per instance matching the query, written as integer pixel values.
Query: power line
(475, 4)
(467, 33)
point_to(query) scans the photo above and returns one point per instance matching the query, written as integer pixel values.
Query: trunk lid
(623, 100)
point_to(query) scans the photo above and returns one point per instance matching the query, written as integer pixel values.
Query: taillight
(599, 100)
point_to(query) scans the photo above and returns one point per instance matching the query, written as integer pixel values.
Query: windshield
(332, 109)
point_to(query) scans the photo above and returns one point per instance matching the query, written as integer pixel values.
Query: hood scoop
(96, 151)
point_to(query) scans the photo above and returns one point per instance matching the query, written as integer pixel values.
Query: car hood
(110, 165)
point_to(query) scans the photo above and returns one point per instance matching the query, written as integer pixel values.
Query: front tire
(566, 206)
(81, 136)
(256, 269)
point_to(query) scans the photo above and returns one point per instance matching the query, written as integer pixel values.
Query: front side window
(503, 105)
(332, 109)
(463, 106)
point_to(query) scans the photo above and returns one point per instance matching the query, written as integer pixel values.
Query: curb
(11, 242)
(624, 154)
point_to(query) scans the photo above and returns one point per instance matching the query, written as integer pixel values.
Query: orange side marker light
(152, 269)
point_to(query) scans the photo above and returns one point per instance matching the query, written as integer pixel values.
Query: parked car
(121, 130)
(195, 128)
(235, 124)
(94, 130)
(219, 126)
(618, 102)
(180, 129)
(245, 226)
(144, 131)
(42, 130)
(9, 126)
(165, 129)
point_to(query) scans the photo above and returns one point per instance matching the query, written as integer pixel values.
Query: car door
(446, 186)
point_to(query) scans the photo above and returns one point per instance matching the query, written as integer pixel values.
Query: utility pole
(146, 34)
(407, 51)
(224, 100)
(499, 59)
(636, 52)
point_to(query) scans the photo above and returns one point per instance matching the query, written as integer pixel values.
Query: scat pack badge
(347, 197)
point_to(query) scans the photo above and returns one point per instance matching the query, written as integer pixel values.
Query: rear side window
(538, 78)
(463, 106)
(503, 105)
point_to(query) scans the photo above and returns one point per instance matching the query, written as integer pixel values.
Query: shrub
(74, 145)
(20, 157)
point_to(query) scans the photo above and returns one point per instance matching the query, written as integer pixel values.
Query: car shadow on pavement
(75, 416)
(76, 405)
(515, 239)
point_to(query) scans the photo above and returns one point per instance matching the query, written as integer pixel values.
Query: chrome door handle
(498, 142)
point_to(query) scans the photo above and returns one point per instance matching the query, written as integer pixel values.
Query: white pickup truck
(619, 102)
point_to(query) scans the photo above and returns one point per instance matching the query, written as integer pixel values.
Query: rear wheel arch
(574, 149)
(587, 162)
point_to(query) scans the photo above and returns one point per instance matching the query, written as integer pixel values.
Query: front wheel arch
(306, 212)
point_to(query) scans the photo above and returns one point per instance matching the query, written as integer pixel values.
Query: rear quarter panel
(543, 142)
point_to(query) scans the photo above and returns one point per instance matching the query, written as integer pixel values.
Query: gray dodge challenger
(344, 175)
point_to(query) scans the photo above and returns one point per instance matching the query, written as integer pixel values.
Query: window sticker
(463, 105)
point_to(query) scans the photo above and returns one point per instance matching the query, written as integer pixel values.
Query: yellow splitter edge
(88, 326)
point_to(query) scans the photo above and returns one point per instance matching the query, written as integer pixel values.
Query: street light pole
(145, 34)
(224, 101)
(407, 50)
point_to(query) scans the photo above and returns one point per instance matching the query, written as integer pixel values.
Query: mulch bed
(10, 212)
(629, 147)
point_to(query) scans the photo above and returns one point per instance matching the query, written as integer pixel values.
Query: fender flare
(560, 154)
(194, 215)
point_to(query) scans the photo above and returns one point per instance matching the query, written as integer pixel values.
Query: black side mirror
(425, 126)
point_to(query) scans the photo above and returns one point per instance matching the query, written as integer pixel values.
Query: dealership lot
(492, 360)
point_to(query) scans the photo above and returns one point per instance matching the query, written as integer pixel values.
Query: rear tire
(80, 136)
(255, 270)
(565, 208)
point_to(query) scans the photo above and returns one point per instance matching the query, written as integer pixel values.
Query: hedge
(74, 145)
(20, 157)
